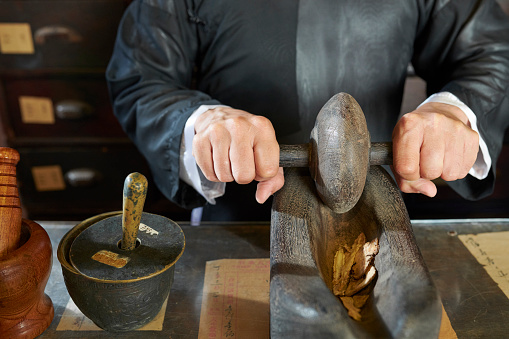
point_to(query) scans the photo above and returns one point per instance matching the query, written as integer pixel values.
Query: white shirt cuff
(482, 165)
(189, 171)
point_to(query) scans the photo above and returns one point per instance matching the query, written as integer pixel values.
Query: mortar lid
(96, 252)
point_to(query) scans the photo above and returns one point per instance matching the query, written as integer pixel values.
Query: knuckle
(198, 141)
(233, 123)
(238, 127)
(474, 140)
(437, 121)
(243, 175)
(261, 122)
(223, 171)
(450, 175)
(244, 179)
(409, 121)
(405, 169)
(459, 128)
(280, 181)
(463, 172)
(224, 177)
(267, 171)
(405, 186)
(216, 131)
(431, 173)
(210, 176)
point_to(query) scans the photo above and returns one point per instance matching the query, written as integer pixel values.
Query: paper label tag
(36, 110)
(48, 178)
(147, 229)
(111, 258)
(16, 38)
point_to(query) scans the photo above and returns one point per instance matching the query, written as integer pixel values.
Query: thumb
(266, 188)
(423, 186)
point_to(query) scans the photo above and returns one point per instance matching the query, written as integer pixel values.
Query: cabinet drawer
(61, 108)
(58, 34)
(53, 174)
(76, 183)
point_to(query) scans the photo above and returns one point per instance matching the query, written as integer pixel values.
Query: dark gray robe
(284, 59)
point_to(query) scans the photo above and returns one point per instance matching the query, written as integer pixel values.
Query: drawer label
(36, 110)
(48, 178)
(16, 38)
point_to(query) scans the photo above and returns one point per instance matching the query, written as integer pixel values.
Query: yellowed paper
(111, 258)
(16, 38)
(446, 330)
(73, 320)
(36, 110)
(235, 300)
(490, 250)
(48, 178)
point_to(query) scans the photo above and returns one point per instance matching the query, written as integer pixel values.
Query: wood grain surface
(304, 237)
(25, 310)
(10, 209)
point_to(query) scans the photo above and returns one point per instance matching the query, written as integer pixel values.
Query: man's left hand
(434, 141)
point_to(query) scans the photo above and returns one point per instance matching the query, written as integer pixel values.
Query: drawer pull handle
(48, 32)
(73, 110)
(83, 177)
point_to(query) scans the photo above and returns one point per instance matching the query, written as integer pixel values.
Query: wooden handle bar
(298, 155)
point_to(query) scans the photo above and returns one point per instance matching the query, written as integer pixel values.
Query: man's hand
(233, 145)
(433, 141)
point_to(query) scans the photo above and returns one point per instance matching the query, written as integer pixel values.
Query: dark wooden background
(61, 69)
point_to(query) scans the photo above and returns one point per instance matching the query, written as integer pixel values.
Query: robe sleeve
(462, 47)
(150, 79)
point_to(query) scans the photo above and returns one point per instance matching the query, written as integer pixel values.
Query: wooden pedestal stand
(25, 261)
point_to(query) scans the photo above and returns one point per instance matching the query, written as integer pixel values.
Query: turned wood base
(25, 311)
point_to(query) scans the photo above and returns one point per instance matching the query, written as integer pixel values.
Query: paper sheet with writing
(490, 250)
(236, 301)
(73, 320)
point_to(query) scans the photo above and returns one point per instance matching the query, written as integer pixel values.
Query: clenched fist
(234, 145)
(434, 141)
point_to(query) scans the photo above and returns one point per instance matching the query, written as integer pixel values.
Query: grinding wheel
(339, 153)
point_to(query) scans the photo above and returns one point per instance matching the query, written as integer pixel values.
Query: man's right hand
(234, 145)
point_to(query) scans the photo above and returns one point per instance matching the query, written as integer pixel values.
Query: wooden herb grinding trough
(119, 269)
(326, 221)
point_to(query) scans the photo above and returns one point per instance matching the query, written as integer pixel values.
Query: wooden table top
(476, 306)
